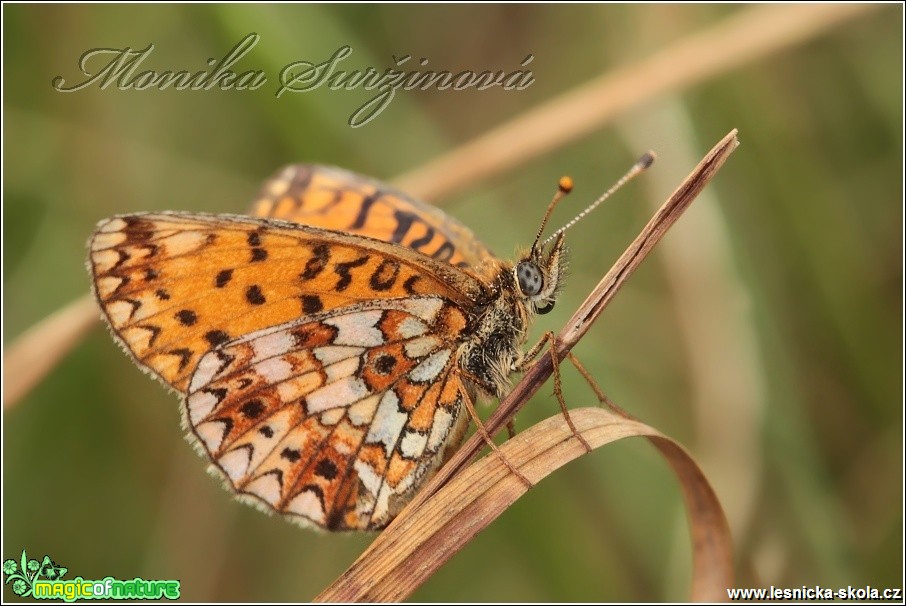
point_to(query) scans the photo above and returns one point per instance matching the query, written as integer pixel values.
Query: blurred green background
(765, 333)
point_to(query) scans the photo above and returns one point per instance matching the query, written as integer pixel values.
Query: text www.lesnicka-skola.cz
(746, 594)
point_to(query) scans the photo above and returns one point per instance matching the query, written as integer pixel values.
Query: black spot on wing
(290, 454)
(424, 240)
(384, 277)
(252, 409)
(254, 295)
(311, 304)
(316, 264)
(216, 337)
(403, 225)
(186, 317)
(364, 209)
(343, 270)
(384, 364)
(223, 278)
(326, 469)
(409, 284)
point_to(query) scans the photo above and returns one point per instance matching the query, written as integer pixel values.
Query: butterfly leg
(532, 353)
(511, 428)
(558, 385)
(487, 438)
(602, 397)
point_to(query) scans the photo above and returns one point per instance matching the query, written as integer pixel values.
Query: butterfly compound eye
(530, 279)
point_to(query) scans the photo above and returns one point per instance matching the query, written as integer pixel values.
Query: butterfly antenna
(643, 163)
(564, 186)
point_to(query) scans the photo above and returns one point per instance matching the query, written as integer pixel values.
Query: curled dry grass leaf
(423, 538)
(460, 501)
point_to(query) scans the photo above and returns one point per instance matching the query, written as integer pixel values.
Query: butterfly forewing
(334, 419)
(174, 286)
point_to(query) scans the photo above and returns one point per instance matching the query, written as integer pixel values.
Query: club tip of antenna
(565, 184)
(647, 160)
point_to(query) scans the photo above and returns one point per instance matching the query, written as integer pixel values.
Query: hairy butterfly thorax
(520, 291)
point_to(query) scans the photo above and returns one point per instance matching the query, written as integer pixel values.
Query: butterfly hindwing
(176, 285)
(334, 419)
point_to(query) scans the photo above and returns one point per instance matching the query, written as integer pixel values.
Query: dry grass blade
(39, 349)
(408, 553)
(460, 501)
(744, 36)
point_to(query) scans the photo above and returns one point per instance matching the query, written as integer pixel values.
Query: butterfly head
(539, 275)
(540, 272)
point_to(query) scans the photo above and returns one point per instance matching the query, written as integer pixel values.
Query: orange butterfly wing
(174, 286)
(333, 198)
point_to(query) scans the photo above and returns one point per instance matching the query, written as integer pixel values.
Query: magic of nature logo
(43, 580)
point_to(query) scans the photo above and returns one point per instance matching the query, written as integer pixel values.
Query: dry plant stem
(592, 307)
(29, 358)
(746, 35)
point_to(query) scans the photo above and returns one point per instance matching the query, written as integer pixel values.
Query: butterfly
(326, 346)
